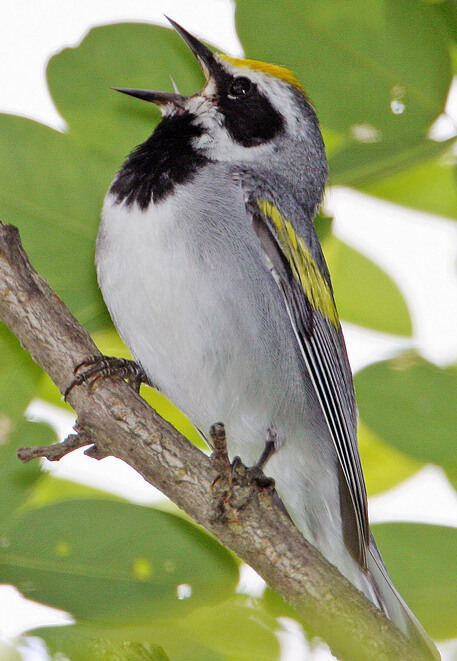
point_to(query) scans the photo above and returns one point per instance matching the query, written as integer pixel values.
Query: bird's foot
(95, 368)
(251, 475)
(255, 473)
(235, 484)
(236, 472)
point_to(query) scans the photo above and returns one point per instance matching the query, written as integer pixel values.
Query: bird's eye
(239, 87)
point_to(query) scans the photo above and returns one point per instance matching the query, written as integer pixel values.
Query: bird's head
(250, 113)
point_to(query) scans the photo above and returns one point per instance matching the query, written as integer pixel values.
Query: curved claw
(95, 368)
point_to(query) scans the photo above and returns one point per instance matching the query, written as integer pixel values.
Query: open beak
(159, 98)
(205, 58)
(203, 54)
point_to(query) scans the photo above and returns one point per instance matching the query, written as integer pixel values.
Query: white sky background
(425, 268)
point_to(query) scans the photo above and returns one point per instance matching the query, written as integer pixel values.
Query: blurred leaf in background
(114, 562)
(379, 73)
(412, 404)
(421, 561)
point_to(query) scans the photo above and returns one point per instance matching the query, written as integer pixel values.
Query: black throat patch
(165, 159)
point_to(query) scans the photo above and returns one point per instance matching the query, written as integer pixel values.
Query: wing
(308, 297)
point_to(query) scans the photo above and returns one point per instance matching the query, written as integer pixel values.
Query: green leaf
(128, 651)
(122, 55)
(19, 376)
(356, 58)
(18, 480)
(412, 405)
(358, 284)
(50, 489)
(421, 561)
(429, 186)
(115, 562)
(56, 204)
(238, 629)
(83, 642)
(276, 606)
(370, 167)
(449, 16)
(451, 473)
(359, 51)
(383, 466)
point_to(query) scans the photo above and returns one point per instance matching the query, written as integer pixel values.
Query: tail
(393, 605)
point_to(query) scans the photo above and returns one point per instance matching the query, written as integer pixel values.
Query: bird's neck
(277, 183)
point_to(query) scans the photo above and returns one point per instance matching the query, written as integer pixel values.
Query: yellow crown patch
(271, 69)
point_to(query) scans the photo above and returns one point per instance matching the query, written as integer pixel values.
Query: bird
(210, 266)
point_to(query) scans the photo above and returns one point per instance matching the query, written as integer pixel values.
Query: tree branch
(116, 421)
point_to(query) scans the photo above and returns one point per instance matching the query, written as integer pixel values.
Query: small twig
(52, 452)
(56, 451)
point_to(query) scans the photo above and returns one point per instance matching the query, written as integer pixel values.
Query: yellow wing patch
(302, 263)
(270, 69)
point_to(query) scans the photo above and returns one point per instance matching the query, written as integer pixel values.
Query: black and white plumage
(210, 266)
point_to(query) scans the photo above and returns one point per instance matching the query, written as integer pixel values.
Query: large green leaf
(50, 489)
(238, 629)
(429, 186)
(447, 10)
(19, 376)
(412, 405)
(451, 473)
(378, 71)
(56, 203)
(352, 55)
(18, 480)
(421, 561)
(364, 293)
(121, 55)
(383, 466)
(114, 562)
(378, 166)
(82, 642)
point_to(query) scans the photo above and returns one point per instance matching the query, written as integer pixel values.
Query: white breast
(190, 295)
(166, 304)
(145, 275)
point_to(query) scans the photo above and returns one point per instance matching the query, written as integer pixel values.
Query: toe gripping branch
(236, 471)
(89, 371)
(235, 484)
(95, 368)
